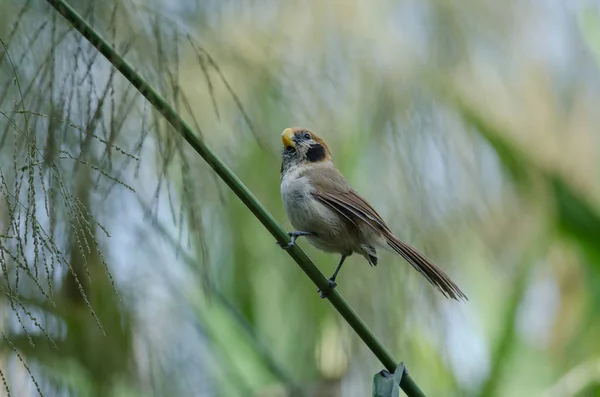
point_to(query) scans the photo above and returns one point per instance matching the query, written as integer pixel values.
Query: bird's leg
(332, 283)
(338, 268)
(294, 235)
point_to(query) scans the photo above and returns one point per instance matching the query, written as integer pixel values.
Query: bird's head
(301, 146)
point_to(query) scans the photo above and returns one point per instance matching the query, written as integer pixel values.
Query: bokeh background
(129, 269)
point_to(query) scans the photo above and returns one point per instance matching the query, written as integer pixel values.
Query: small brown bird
(322, 206)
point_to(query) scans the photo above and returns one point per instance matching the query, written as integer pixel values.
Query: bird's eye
(306, 135)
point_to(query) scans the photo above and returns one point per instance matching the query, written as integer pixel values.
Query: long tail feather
(431, 272)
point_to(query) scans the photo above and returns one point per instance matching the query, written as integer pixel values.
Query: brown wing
(332, 189)
(351, 205)
(340, 197)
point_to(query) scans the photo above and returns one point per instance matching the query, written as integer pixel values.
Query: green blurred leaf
(511, 157)
(578, 219)
(575, 217)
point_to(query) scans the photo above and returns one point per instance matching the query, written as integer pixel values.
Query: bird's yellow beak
(286, 138)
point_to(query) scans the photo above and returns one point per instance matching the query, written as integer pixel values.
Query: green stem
(407, 384)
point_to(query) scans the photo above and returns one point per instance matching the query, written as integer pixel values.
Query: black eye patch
(315, 152)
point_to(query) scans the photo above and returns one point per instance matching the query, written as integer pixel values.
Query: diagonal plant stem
(407, 384)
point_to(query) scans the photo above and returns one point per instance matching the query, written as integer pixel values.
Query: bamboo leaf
(386, 384)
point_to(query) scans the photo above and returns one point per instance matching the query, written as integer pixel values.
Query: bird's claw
(286, 246)
(332, 285)
(294, 236)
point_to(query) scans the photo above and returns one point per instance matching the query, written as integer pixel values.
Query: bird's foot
(294, 235)
(332, 285)
(286, 246)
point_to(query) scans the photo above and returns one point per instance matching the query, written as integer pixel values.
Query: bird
(324, 209)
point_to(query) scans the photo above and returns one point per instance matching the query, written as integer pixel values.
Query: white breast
(297, 199)
(309, 215)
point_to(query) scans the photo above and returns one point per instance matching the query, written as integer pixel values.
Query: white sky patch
(538, 311)
(469, 353)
